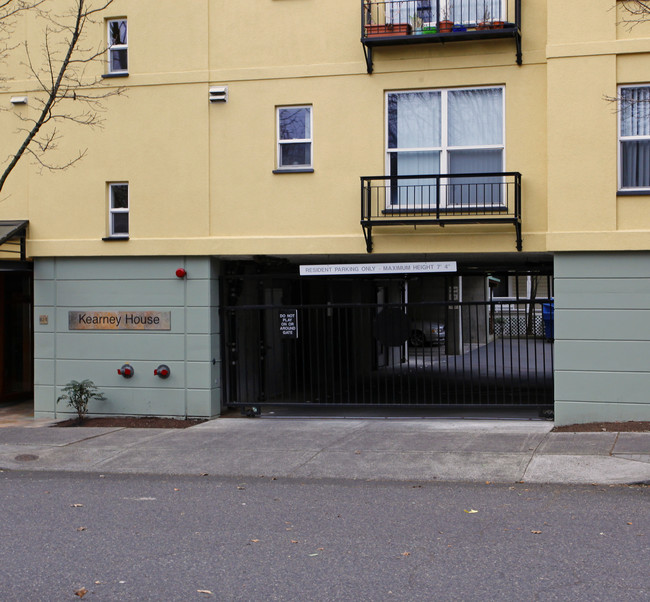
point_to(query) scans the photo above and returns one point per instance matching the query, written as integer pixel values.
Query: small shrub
(78, 394)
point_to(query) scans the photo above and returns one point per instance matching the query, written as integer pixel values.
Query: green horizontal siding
(602, 337)
(123, 284)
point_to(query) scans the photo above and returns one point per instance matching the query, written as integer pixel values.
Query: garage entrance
(437, 340)
(16, 304)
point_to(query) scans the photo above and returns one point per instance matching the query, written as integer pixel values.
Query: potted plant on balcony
(445, 25)
(373, 29)
(485, 22)
(390, 29)
(417, 24)
(497, 21)
(429, 28)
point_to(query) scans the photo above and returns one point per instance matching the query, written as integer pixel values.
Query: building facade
(353, 202)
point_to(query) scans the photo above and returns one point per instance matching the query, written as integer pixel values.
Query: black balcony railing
(397, 22)
(441, 199)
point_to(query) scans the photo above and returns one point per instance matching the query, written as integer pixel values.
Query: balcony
(441, 199)
(400, 22)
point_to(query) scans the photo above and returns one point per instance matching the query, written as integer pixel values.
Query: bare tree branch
(66, 92)
(636, 11)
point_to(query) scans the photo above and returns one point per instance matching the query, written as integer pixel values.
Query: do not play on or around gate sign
(289, 323)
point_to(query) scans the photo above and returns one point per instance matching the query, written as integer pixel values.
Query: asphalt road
(134, 537)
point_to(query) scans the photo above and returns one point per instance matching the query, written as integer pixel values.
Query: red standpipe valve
(126, 371)
(163, 371)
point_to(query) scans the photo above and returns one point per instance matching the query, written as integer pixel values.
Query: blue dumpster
(548, 310)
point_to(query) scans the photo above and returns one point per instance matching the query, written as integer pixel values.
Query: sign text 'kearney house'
(119, 320)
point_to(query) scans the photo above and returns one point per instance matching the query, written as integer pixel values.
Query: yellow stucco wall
(201, 175)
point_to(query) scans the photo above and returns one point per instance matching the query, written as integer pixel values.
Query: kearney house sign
(417, 267)
(119, 320)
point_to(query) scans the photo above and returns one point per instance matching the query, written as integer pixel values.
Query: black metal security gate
(473, 353)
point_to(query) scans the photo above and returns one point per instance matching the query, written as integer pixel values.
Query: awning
(12, 237)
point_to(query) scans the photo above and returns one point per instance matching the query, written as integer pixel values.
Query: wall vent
(219, 94)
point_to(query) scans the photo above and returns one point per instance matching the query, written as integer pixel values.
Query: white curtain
(475, 119)
(414, 122)
(468, 12)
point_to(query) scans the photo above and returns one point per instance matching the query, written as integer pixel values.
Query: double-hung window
(455, 131)
(118, 46)
(634, 139)
(118, 209)
(294, 138)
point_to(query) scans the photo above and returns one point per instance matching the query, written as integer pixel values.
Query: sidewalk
(500, 451)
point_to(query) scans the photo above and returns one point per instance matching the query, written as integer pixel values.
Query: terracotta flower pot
(445, 26)
(390, 29)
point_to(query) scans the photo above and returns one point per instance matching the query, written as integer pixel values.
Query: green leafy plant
(78, 394)
(417, 22)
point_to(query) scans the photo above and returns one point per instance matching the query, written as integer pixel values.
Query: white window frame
(622, 139)
(444, 149)
(117, 47)
(112, 211)
(310, 140)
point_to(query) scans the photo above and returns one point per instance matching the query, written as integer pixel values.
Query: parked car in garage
(424, 333)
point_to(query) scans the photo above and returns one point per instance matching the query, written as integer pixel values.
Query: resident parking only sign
(289, 323)
(360, 269)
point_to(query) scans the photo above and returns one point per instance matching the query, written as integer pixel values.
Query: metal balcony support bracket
(367, 51)
(367, 234)
(518, 30)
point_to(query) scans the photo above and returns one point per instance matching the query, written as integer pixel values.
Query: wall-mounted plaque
(119, 320)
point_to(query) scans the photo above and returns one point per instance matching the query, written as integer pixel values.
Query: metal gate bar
(489, 353)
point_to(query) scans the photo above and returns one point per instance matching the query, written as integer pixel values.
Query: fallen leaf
(176, 489)
(81, 528)
(81, 592)
(313, 554)
(255, 540)
(406, 553)
(536, 532)
(629, 523)
(487, 482)
(204, 591)
(76, 505)
(97, 582)
(320, 549)
(470, 511)
(294, 541)
(358, 451)
(240, 488)
(203, 474)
